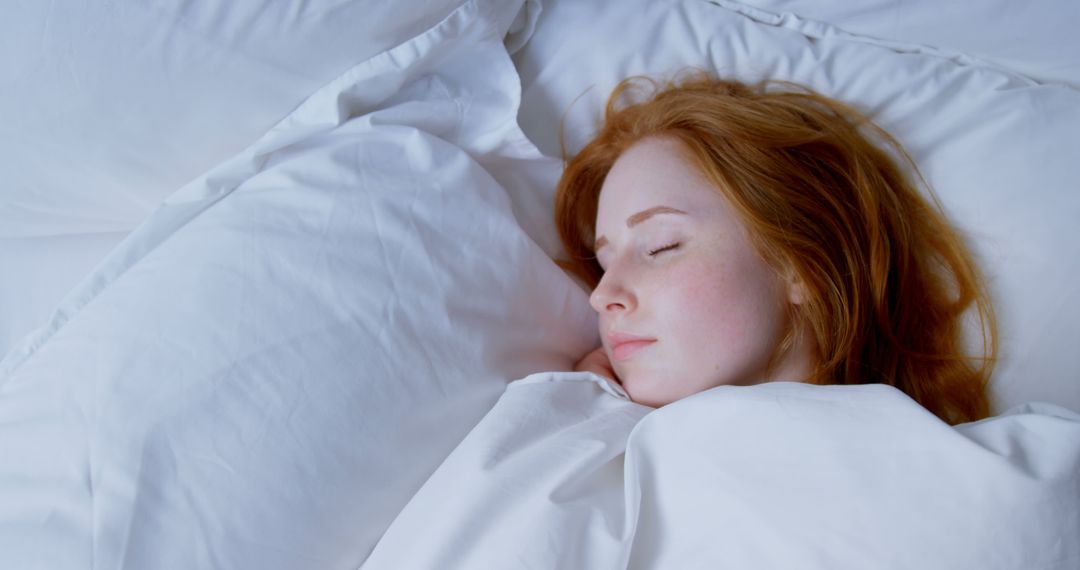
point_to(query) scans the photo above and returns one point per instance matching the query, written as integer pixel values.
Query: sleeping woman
(736, 234)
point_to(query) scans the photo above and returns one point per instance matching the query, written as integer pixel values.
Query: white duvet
(565, 472)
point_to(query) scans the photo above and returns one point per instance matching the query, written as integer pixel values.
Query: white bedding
(108, 107)
(780, 475)
(1036, 38)
(267, 369)
(262, 373)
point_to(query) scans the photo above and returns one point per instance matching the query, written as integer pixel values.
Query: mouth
(627, 348)
(625, 345)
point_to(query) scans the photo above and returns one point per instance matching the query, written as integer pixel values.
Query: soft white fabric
(38, 272)
(116, 105)
(999, 151)
(108, 107)
(537, 484)
(1036, 38)
(112, 106)
(265, 371)
(775, 476)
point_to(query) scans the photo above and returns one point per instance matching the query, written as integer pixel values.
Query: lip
(624, 346)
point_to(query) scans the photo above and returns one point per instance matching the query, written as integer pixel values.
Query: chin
(640, 393)
(651, 402)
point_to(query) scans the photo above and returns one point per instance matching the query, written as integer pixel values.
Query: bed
(278, 292)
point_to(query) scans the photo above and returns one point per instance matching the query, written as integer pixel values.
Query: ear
(796, 287)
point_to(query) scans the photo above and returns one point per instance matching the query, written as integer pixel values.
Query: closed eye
(664, 248)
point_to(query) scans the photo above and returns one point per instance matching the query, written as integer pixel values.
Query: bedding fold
(564, 472)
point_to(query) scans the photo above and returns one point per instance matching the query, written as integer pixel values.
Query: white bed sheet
(780, 475)
(263, 372)
(118, 104)
(114, 106)
(38, 272)
(136, 99)
(221, 391)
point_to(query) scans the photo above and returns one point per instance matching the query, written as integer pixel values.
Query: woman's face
(680, 274)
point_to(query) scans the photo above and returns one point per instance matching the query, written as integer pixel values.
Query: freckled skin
(715, 308)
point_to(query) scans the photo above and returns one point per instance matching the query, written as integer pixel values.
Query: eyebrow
(637, 219)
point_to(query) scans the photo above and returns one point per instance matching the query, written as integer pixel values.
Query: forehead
(653, 171)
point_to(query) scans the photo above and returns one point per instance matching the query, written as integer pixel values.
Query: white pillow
(114, 105)
(1036, 38)
(265, 371)
(999, 152)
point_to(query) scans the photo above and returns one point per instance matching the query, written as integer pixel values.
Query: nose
(611, 295)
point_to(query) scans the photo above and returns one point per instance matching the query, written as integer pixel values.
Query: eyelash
(653, 252)
(665, 248)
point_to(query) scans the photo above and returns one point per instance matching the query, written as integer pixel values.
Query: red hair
(888, 279)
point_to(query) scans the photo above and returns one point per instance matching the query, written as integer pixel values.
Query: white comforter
(565, 472)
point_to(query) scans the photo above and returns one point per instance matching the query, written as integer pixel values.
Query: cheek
(733, 310)
(715, 308)
(720, 323)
